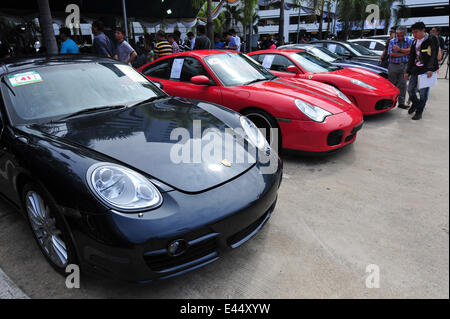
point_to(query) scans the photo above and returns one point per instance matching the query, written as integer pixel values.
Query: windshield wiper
(255, 81)
(154, 98)
(93, 110)
(8, 86)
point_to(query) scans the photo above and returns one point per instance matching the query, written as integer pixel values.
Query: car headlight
(315, 113)
(363, 84)
(122, 188)
(342, 95)
(253, 133)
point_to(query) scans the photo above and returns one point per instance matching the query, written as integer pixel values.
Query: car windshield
(312, 64)
(325, 54)
(234, 69)
(360, 49)
(47, 93)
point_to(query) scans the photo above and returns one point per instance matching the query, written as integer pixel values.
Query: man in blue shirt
(103, 46)
(398, 52)
(68, 46)
(218, 44)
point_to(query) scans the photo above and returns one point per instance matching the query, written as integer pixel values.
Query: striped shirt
(163, 48)
(405, 44)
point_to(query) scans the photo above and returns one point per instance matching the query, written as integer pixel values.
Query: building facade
(433, 13)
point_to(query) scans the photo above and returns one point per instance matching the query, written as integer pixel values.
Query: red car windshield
(237, 69)
(311, 63)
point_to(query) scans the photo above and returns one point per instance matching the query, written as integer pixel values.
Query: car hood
(140, 138)
(316, 93)
(361, 64)
(367, 76)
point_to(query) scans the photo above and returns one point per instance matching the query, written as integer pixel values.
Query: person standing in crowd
(398, 52)
(179, 41)
(202, 42)
(231, 42)
(102, 44)
(437, 32)
(124, 51)
(191, 38)
(68, 46)
(423, 59)
(218, 44)
(173, 43)
(273, 46)
(265, 42)
(384, 58)
(237, 39)
(234, 42)
(162, 47)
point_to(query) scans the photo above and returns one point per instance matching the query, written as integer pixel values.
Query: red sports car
(311, 116)
(370, 92)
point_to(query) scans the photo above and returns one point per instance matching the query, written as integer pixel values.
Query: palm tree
(248, 13)
(400, 11)
(298, 4)
(233, 15)
(198, 4)
(281, 27)
(209, 21)
(346, 15)
(46, 25)
(322, 7)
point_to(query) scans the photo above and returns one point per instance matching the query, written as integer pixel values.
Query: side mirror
(293, 69)
(200, 80)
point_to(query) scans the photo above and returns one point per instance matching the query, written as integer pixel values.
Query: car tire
(264, 120)
(48, 227)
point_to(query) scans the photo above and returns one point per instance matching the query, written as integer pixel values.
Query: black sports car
(90, 152)
(348, 50)
(330, 57)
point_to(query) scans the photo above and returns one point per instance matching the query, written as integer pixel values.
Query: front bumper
(371, 103)
(310, 136)
(135, 249)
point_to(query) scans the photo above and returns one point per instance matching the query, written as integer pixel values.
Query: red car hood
(315, 93)
(369, 77)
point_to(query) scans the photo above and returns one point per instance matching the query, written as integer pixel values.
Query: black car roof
(13, 65)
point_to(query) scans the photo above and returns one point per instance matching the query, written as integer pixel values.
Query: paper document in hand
(426, 82)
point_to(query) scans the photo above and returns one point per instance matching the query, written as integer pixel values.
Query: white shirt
(418, 48)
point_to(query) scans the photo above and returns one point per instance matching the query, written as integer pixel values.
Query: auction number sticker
(24, 78)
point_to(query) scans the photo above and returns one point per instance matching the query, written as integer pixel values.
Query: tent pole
(125, 20)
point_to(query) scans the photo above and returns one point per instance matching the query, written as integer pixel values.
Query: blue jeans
(418, 103)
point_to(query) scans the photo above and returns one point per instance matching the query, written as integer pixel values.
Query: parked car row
(107, 163)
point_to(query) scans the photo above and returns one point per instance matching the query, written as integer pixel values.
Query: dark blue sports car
(116, 176)
(333, 58)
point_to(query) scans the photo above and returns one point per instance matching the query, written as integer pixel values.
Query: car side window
(160, 70)
(192, 67)
(274, 62)
(379, 47)
(341, 50)
(365, 44)
(258, 58)
(280, 63)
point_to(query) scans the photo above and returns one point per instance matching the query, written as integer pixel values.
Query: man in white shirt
(237, 40)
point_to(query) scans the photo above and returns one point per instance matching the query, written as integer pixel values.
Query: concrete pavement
(382, 201)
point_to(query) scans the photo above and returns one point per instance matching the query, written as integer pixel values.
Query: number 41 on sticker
(24, 78)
